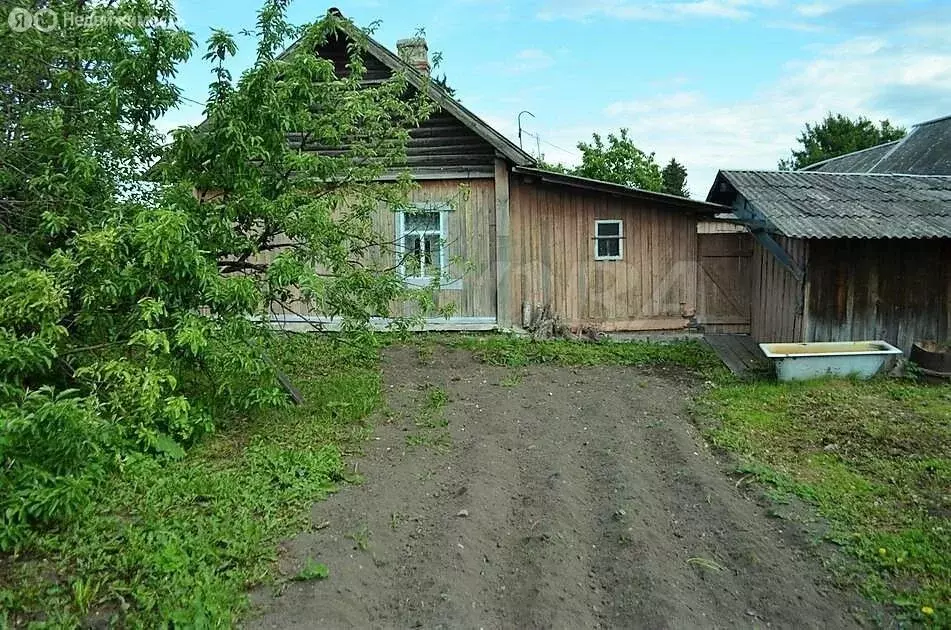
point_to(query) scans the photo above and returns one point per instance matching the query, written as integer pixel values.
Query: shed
(845, 256)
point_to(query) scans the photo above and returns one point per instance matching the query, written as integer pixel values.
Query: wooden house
(598, 254)
(845, 256)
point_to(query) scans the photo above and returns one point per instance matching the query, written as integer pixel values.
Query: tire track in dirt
(586, 493)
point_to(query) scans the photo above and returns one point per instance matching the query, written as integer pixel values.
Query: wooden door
(723, 282)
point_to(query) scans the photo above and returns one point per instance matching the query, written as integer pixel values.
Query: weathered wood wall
(654, 286)
(470, 246)
(776, 294)
(470, 242)
(891, 289)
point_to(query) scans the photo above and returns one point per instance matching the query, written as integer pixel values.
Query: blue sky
(714, 83)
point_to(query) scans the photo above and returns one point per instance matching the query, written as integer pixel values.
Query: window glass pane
(608, 247)
(609, 229)
(413, 255)
(433, 262)
(421, 221)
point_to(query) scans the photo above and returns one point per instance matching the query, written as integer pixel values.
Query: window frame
(620, 238)
(443, 210)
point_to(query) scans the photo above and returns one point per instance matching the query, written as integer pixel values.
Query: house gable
(453, 139)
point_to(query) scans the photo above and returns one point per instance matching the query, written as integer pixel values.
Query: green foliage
(176, 542)
(514, 351)
(874, 458)
(133, 299)
(553, 167)
(837, 135)
(675, 179)
(619, 161)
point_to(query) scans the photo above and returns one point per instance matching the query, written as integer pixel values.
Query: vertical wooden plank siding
(553, 228)
(891, 289)
(777, 294)
(502, 249)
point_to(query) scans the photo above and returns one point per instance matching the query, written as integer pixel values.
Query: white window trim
(619, 237)
(425, 281)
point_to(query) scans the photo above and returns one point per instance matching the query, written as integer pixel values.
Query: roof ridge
(833, 173)
(933, 120)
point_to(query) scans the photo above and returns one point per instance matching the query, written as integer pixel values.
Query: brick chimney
(415, 52)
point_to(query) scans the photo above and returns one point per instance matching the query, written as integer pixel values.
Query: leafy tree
(131, 313)
(84, 328)
(619, 161)
(837, 135)
(554, 167)
(675, 179)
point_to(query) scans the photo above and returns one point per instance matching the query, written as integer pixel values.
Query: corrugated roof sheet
(925, 151)
(857, 162)
(805, 204)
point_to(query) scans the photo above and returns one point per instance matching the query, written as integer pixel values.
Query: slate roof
(857, 162)
(926, 150)
(804, 204)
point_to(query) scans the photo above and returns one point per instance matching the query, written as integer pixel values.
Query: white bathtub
(801, 361)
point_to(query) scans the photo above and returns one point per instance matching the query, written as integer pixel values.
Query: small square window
(608, 240)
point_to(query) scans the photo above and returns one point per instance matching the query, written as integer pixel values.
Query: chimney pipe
(414, 52)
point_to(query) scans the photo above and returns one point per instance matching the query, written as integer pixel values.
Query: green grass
(873, 458)
(512, 351)
(177, 543)
(312, 570)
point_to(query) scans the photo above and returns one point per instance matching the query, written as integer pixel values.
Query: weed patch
(874, 458)
(177, 542)
(512, 351)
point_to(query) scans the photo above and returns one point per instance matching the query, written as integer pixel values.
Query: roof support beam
(777, 250)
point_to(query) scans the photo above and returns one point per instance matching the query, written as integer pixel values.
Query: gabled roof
(596, 185)
(805, 204)
(926, 150)
(424, 83)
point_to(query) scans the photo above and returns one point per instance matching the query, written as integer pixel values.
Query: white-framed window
(422, 234)
(609, 239)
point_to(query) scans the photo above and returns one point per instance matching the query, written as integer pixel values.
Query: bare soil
(572, 498)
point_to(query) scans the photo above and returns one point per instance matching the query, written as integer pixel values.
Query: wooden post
(503, 267)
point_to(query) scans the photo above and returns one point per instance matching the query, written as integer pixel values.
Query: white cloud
(873, 77)
(654, 10)
(821, 9)
(669, 10)
(525, 61)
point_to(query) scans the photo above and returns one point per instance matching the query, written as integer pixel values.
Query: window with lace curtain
(422, 234)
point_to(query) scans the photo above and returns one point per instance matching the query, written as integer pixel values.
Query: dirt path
(574, 498)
